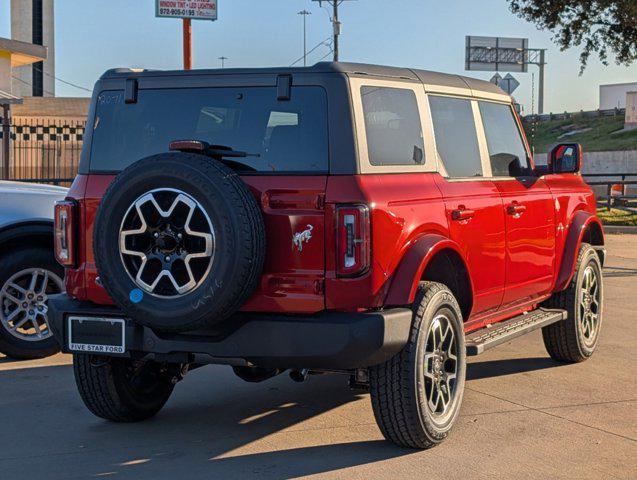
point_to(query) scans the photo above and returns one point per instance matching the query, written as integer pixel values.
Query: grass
(597, 139)
(616, 217)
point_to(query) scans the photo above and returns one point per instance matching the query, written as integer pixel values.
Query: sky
(95, 35)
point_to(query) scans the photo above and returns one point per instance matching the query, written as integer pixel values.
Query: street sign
(496, 54)
(509, 83)
(496, 79)
(190, 9)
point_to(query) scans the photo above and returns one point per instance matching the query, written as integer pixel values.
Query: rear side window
(392, 124)
(456, 138)
(506, 150)
(280, 136)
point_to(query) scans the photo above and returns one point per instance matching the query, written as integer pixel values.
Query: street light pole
(223, 61)
(305, 13)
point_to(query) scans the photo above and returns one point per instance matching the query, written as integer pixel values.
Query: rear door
(528, 207)
(473, 203)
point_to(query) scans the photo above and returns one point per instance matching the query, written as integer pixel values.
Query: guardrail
(615, 197)
(545, 117)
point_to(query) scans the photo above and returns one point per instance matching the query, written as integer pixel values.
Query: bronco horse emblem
(301, 237)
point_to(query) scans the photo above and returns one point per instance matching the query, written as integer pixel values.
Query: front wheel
(575, 339)
(416, 395)
(121, 389)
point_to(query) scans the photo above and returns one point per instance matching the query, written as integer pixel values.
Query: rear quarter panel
(403, 207)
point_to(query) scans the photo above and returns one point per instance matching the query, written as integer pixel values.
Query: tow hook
(299, 375)
(359, 380)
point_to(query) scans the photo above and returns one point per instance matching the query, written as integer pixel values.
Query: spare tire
(179, 241)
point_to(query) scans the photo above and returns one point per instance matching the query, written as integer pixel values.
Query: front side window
(456, 137)
(392, 124)
(506, 150)
(279, 136)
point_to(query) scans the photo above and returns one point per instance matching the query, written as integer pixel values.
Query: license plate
(96, 335)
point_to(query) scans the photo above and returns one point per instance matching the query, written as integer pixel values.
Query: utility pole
(336, 24)
(223, 61)
(305, 13)
(337, 29)
(187, 32)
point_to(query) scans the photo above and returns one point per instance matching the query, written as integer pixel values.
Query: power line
(31, 85)
(326, 55)
(321, 43)
(60, 80)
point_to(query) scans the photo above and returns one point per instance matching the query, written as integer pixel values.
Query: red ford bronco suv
(378, 222)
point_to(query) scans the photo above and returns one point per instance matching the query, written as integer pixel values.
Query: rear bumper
(329, 340)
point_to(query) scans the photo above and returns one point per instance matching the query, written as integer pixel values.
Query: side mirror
(565, 158)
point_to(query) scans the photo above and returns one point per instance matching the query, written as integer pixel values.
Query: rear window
(280, 136)
(392, 124)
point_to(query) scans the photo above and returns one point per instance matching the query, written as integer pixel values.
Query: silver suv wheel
(167, 243)
(23, 309)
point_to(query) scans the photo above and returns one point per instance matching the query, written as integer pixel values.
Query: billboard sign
(496, 54)
(193, 9)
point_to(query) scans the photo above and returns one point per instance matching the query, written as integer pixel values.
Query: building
(614, 95)
(32, 21)
(13, 55)
(631, 111)
(58, 110)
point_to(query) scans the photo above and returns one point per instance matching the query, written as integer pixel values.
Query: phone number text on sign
(195, 9)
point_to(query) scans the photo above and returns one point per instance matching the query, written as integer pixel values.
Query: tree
(600, 26)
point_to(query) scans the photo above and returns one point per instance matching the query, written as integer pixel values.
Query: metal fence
(42, 151)
(620, 190)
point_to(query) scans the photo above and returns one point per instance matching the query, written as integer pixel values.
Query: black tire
(398, 387)
(111, 390)
(567, 341)
(16, 260)
(239, 241)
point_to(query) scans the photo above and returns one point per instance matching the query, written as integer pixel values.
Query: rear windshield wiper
(218, 152)
(199, 146)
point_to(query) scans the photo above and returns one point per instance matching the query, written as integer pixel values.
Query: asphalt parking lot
(524, 416)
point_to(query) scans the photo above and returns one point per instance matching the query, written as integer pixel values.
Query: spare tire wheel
(179, 241)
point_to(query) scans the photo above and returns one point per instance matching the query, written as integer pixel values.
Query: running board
(481, 340)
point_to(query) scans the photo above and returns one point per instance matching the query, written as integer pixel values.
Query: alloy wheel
(441, 366)
(23, 303)
(589, 306)
(167, 242)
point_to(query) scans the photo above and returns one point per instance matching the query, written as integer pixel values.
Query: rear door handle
(462, 213)
(516, 209)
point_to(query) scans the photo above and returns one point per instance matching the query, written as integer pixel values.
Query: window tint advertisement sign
(194, 9)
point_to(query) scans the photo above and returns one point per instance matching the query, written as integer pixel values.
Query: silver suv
(28, 270)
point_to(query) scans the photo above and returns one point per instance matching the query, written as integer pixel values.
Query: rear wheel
(121, 389)
(27, 278)
(416, 395)
(575, 339)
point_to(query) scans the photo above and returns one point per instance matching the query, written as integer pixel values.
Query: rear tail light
(65, 232)
(352, 240)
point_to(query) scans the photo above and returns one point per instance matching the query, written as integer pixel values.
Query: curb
(620, 229)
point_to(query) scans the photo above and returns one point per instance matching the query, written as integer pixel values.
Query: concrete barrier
(603, 162)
